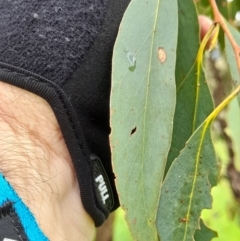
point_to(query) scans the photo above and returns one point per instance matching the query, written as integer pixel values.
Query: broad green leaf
(142, 108)
(231, 59)
(187, 188)
(204, 234)
(188, 39)
(194, 102)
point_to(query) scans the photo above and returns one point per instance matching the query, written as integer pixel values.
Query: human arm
(35, 160)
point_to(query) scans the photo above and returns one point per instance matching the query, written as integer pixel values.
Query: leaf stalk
(224, 103)
(219, 19)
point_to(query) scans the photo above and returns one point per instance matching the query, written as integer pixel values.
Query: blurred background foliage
(224, 217)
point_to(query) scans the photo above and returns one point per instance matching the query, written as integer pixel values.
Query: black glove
(61, 50)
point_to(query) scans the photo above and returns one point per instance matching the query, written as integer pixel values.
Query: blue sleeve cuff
(13, 212)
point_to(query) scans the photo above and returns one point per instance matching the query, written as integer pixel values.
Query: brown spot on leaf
(183, 220)
(162, 56)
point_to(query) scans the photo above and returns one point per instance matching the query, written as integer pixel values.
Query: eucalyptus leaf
(187, 188)
(204, 234)
(194, 101)
(143, 98)
(231, 59)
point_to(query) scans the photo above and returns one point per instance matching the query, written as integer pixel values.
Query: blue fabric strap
(26, 218)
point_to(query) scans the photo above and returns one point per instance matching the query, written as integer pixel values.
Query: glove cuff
(96, 192)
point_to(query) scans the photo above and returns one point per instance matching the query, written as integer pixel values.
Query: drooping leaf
(142, 108)
(194, 102)
(231, 59)
(188, 39)
(204, 234)
(187, 188)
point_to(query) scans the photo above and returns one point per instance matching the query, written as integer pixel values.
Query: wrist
(35, 160)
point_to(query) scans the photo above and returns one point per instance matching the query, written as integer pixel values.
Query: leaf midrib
(195, 177)
(146, 104)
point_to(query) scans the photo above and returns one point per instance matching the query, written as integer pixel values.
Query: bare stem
(219, 19)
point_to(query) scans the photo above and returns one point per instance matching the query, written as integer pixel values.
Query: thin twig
(219, 19)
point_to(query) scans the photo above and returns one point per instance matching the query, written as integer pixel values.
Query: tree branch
(219, 19)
